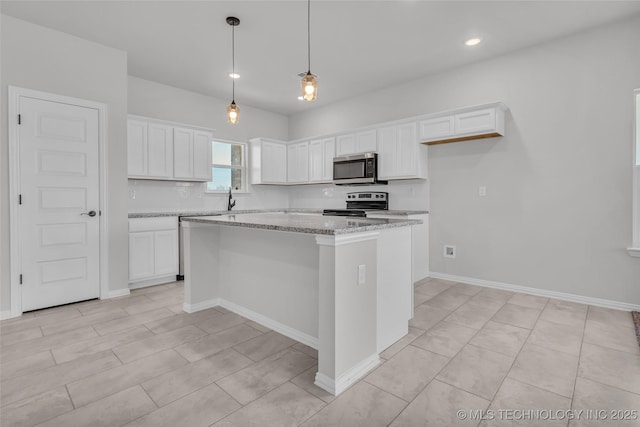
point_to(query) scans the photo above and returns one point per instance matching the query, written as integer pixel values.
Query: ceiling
(356, 46)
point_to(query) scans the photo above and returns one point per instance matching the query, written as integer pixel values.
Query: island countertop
(256, 211)
(303, 223)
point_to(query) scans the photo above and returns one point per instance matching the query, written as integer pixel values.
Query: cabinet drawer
(153, 224)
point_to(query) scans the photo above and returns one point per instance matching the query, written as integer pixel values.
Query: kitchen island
(338, 284)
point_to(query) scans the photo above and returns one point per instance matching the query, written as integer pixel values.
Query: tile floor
(140, 361)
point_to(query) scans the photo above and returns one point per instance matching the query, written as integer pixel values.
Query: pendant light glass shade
(309, 82)
(309, 87)
(233, 113)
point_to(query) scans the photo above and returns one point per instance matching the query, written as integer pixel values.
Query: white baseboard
(283, 329)
(153, 282)
(538, 292)
(345, 380)
(192, 308)
(118, 293)
(7, 315)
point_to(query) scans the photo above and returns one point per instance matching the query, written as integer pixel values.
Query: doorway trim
(14, 95)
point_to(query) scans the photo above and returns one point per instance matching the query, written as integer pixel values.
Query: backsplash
(403, 195)
(154, 196)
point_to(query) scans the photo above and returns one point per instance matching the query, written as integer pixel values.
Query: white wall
(557, 215)
(38, 58)
(163, 102)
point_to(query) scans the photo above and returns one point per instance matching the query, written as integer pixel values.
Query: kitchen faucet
(231, 203)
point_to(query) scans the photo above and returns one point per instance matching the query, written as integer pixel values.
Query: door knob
(90, 213)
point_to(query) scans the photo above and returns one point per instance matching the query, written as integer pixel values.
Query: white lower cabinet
(153, 251)
(420, 242)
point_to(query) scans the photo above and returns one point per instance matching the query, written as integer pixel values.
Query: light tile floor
(141, 361)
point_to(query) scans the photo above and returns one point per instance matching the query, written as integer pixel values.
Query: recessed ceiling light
(472, 42)
(300, 98)
(234, 75)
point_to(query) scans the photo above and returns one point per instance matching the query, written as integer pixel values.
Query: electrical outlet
(482, 191)
(362, 271)
(449, 251)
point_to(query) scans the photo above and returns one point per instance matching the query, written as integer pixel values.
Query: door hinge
(19, 119)
(19, 199)
(21, 279)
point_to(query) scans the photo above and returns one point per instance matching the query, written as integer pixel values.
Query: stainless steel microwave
(358, 169)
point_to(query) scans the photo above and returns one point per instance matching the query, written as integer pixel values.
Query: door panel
(59, 180)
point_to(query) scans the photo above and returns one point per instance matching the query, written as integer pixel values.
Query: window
(635, 249)
(228, 167)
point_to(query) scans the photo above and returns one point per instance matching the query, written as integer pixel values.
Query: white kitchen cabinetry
(321, 154)
(191, 155)
(353, 143)
(153, 251)
(162, 151)
(268, 161)
(482, 121)
(298, 163)
(399, 152)
(420, 242)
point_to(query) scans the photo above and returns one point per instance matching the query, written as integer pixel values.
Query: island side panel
(271, 277)
(395, 285)
(201, 259)
(348, 309)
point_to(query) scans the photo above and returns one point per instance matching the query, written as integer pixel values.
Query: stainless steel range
(358, 203)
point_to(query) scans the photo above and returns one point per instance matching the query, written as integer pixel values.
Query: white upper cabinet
(137, 145)
(298, 163)
(268, 160)
(483, 121)
(321, 154)
(164, 152)
(352, 143)
(191, 155)
(398, 152)
(160, 139)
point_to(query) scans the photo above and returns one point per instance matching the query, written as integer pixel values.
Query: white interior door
(59, 211)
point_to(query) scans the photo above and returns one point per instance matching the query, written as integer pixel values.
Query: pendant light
(309, 81)
(233, 111)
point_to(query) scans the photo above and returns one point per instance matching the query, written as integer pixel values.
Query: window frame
(244, 168)
(634, 250)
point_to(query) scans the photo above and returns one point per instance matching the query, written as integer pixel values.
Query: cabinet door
(166, 252)
(316, 161)
(475, 121)
(141, 255)
(387, 153)
(303, 162)
(137, 148)
(292, 163)
(274, 163)
(345, 145)
(182, 153)
(329, 152)
(406, 151)
(437, 128)
(202, 156)
(159, 151)
(366, 141)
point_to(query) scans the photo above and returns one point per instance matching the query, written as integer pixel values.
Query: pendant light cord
(233, 62)
(309, 33)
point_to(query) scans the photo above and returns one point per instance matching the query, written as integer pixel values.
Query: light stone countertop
(301, 223)
(254, 211)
